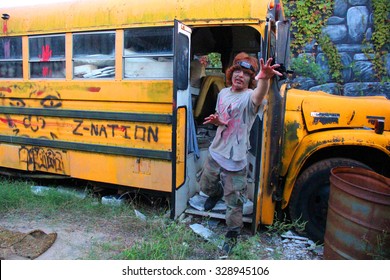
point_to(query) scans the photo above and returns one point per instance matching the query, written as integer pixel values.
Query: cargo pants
(234, 190)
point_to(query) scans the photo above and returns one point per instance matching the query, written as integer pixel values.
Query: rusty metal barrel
(358, 221)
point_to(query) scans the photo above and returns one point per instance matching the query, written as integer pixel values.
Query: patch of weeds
(246, 249)
(282, 226)
(16, 196)
(164, 240)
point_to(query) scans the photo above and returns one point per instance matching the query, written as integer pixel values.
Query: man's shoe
(211, 201)
(230, 241)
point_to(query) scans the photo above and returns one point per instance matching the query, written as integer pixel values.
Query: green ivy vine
(380, 39)
(333, 56)
(308, 19)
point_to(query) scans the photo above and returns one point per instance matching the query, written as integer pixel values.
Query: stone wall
(350, 24)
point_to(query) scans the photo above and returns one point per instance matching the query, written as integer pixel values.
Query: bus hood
(325, 111)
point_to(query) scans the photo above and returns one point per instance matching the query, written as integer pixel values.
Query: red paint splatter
(40, 93)
(10, 122)
(5, 28)
(46, 72)
(45, 57)
(93, 89)
(7, 89)
(3, 120)
(46, 53)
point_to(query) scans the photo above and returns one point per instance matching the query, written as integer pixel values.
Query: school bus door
(268, 158)
(181, 111)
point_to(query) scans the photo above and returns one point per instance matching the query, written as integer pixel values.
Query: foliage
(380, 38)
(166, 241)
(308, 17)
(305, 65)
(214, 60)
(281, 226)
(247, 250)
(16, 195)
(333, 57)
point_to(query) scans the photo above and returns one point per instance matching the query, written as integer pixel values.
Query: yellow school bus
(101, 90)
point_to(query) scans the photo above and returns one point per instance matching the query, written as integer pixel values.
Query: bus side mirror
(282, 52)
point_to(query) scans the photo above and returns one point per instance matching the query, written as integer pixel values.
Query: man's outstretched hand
(267, 71)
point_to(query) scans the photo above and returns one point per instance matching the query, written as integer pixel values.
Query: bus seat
(207, 99)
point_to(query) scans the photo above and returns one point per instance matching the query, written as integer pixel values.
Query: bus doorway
(218, 45)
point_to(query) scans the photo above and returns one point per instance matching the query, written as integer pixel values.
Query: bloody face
(240, 80)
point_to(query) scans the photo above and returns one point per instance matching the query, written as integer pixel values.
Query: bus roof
(82, 15)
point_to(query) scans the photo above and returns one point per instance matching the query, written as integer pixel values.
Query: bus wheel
(309, 198)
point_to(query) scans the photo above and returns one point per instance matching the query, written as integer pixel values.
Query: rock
(362, 57)
(304, 83)
(357, 2)
(357, 19)
(367, 89)
(340, 8)
(335, 20)
(332, 88)
(336, 32)
(364, 71)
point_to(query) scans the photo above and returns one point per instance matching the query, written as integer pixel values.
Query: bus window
(94, 55)
(11, 57)
(148, 53)
(47, 56)
(214, 66)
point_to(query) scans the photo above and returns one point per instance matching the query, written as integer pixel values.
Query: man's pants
(234, 190)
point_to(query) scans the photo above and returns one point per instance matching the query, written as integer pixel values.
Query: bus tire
(309, 198)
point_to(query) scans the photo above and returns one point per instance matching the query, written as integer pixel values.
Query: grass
(16, 195)
(281, 226)
(166, 240)
(157, 238)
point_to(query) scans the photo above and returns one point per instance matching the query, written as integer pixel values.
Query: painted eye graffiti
(17, 102)
(51, 101)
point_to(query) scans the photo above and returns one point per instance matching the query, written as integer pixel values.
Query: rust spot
(93, 89)
(292, 131)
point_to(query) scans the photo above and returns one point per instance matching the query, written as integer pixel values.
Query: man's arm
(263, 80)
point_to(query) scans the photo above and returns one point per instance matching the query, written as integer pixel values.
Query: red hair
(242, 56)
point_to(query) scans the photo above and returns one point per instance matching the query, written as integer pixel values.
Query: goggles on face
(246, 65)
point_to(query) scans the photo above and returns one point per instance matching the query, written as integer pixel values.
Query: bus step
(192, 211)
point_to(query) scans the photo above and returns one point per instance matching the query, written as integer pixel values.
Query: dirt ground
(72, 240)
(78, 236)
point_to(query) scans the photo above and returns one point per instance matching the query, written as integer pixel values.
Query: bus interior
(221, 44)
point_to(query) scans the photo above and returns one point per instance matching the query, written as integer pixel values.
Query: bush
(304, 65)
